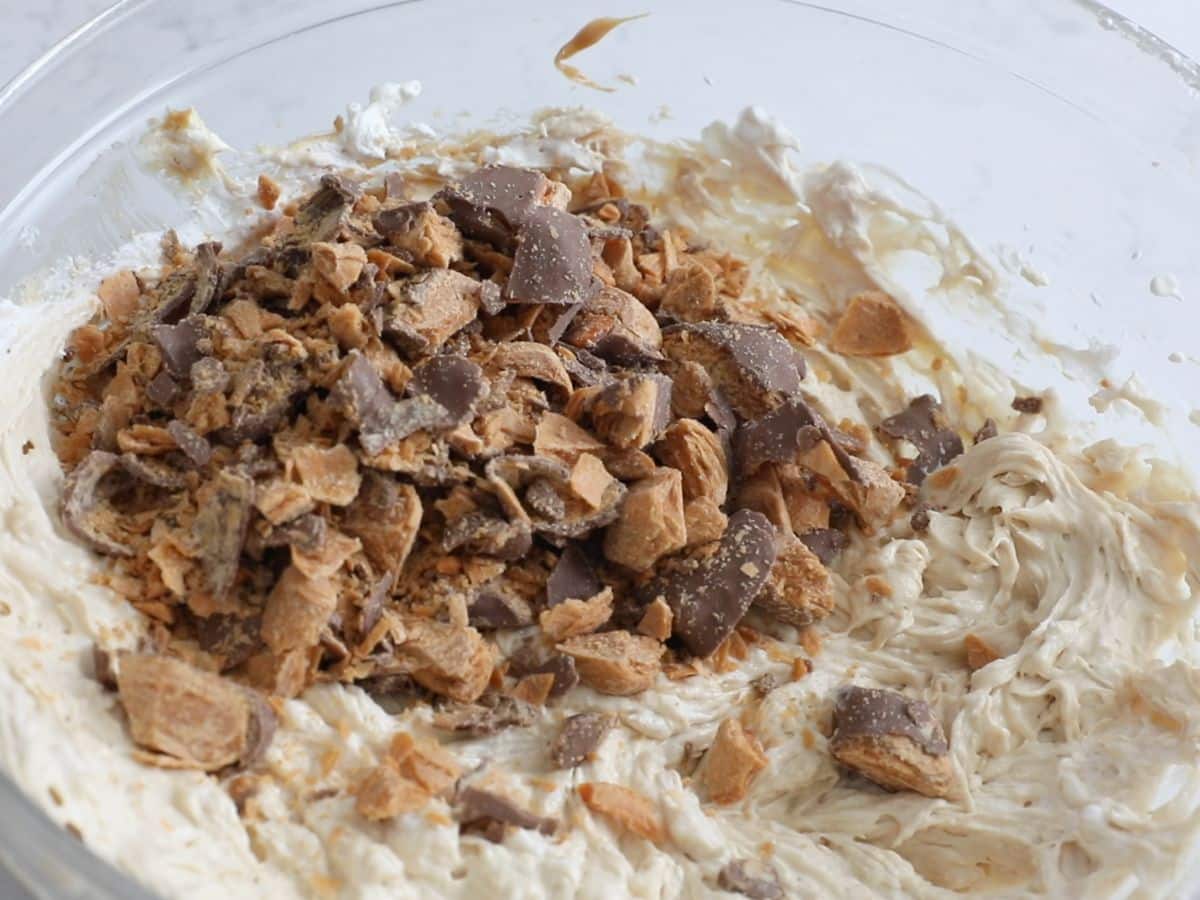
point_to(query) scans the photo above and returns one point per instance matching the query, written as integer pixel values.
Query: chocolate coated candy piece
(85, 513)
(194, 446)
(924, 425)
(709, 593)
(162, 389)
(826, 543)
(492, 203)
(232, 638)
(579, 738)
(454, 382)
(381, 420)
(560, 665)
(763, 356)
(553, 261)
(872, 712)
(180, 344)
(779, 436)
(492, 607)
(322, 215)
(573, 578)
(483, 811)
(220, 529)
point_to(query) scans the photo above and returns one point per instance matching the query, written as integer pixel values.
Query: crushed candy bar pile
(389, 432)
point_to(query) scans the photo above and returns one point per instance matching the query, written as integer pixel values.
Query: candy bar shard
(755, 368)
(615, 662)
(872, 325)
(194, 717)
(489, 813)
(924, 425)
(580, 737)
(85, 511)
(799, 590)
(710, 589)
(892, 740)
(553, 260)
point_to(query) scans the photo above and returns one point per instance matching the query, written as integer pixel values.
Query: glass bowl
(1059, 135)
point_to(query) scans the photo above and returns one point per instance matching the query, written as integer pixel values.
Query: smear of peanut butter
(591, 33)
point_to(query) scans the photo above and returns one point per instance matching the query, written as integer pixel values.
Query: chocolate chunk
(208, 277)
(171, 297)
(790, 429)
(180, 344)
(585, 368)
(162, 389)
(233, 638)
(492, 203)
(750, 878)
(1030, 405)
(491, 298)
(512, 477)
(573, 578)
(560, 665)
(986, 431)
(262, 395)
(622, 349)
(104, 667)
(401, 219)
(493, 713)
(322, 216)
(220, 529)
(194, 447)
(872, 712)
(190, 290)
(382, 420)
(85, 512)
(779, 436)
(454, 382)
(492, 607)
(710, 591)
(553, 261)
(825, 543)
(153, 472)
(579, 738)
(485, 813)
(923, 424)
(260, 728)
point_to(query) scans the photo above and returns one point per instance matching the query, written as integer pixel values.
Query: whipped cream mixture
(1075, 751)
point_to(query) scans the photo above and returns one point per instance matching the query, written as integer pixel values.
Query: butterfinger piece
(731, 763)
(615, 662)
(872, 325)
(892, 740)
(625, 808)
